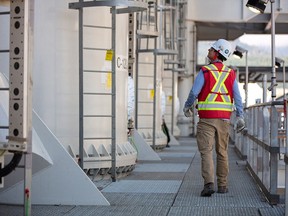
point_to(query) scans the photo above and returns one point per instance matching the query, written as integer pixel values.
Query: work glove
(239, 124)
(187, 111)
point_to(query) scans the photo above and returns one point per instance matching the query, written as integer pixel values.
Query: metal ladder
(147, 33)
(164, 44)
(126, 6)
(177, 63)
(181, 37)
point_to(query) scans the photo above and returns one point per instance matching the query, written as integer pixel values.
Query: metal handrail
(261, 144)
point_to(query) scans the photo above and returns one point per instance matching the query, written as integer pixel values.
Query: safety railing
(263, 145)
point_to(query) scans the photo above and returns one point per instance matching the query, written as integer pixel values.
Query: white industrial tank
(56, 80)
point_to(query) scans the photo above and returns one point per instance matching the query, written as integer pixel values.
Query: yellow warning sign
(152, 94)
(170, 98)
(109, 81)
(109, 55)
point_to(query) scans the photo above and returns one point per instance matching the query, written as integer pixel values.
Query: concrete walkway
(170, 187)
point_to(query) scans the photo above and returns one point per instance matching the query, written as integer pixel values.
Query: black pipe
(12, 165)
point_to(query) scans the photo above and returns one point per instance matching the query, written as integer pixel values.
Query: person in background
(216, 89)
(163, 125)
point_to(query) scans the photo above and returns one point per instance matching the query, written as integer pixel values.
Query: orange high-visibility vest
(216, 97)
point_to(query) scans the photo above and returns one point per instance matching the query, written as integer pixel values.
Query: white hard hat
(223, 47)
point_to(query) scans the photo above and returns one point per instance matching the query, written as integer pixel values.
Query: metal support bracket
(132, 6)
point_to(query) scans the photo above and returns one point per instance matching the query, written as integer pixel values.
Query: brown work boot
(222, 189)
(208, 190)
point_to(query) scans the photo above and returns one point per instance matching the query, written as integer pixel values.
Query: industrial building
(86, 87)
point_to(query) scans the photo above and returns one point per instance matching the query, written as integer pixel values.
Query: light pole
(258, 6)
(273, 78)
(238, 53)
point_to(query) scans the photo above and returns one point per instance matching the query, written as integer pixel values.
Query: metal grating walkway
(170, 187)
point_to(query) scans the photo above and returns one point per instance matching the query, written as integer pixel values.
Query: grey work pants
(210, 132)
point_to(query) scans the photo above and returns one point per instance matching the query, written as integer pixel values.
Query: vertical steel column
(246, 79)
(255, 146)
(155, 77)
(113, 102)
(273, 156)
(286, 157)
(137, 45)
(160, 26)
(194, 60)
(81, 112)
(266, 139)
(131, 47)
(136, 81)
(20, 90)
(173, 99)
(264, 84)
(175, 46)
(154, 97)
(284, 81)
(273, 77)
(29, 21)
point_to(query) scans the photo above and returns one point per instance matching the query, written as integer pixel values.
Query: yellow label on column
(109, 55)
(109, 80)
(170, 98)
(152, 94)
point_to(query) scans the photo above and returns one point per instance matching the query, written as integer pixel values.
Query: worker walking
(216, 88)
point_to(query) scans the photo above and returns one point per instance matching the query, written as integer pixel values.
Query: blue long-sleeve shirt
(197, 86)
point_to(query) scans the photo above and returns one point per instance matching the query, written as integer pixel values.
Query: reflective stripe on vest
(219, 88)
(214, 106)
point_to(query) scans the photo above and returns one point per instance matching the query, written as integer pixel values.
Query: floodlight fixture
(238, 53)
(278, 62)
(257, 6)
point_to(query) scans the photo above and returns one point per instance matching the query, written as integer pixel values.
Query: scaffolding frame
(164, 44)
(126, 6)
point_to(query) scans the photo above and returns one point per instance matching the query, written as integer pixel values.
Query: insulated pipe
(12, 165)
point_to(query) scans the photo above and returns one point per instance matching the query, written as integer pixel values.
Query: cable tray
(132, 6)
